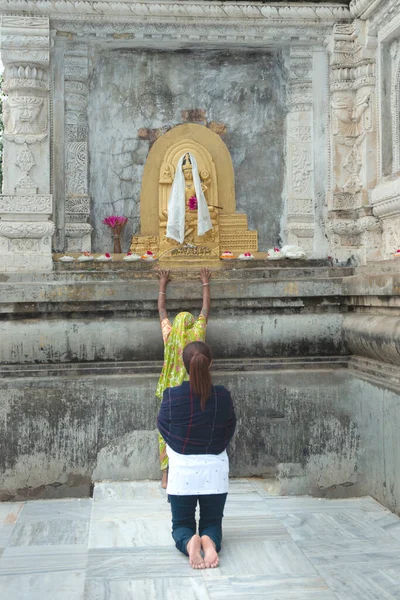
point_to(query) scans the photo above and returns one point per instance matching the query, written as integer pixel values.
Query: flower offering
(192, 203)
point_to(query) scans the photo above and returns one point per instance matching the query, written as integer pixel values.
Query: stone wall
(137, 95)
(318, 431)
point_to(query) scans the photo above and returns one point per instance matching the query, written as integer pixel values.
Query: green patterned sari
(185, 329)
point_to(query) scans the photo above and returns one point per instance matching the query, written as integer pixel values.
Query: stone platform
(118, 546)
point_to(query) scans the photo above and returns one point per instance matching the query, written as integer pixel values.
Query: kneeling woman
(197, 421)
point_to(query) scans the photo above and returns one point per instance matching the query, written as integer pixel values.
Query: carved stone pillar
(299, 210)
(353, 230)
(77, 200)
(26, 203)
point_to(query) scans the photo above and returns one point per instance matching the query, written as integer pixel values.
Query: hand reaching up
(163, 276)
(205, 275)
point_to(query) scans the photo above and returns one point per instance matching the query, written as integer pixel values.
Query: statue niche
(208, 243)
(212, 172)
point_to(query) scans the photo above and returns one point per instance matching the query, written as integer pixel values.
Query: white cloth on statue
(197, 474)
(177, 208)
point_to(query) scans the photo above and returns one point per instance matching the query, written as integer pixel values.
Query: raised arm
(205, 275)
(163, 276)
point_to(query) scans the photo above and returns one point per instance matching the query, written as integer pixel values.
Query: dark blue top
(189, 430)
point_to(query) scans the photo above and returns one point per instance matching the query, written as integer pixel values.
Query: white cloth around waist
(197, 474)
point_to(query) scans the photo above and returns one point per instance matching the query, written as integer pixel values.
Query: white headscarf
(176, 204)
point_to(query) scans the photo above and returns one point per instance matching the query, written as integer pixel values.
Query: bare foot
(211, 557)
(164, 479)
(194, 549)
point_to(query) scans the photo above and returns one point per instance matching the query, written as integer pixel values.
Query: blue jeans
(183, 518)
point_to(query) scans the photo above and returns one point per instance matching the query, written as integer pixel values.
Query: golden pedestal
(230, 230)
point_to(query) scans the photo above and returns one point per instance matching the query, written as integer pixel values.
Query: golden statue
(212, 173)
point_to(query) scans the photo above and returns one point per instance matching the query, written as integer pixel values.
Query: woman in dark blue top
(197, 421)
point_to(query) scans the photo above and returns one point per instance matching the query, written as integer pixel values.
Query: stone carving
(366, 223)
(352, 83)
(78, 205)
(116, 9)
(25, 119)
(348, 112)
(364, 8)
(77, 201)
(301, 206)
(302, 169)
(26, 229)
(78, 236)
(25, 241)
(26, 204)
(299, 214)
(76, 167)
(25, 159)
(385, 199)
(391, 236)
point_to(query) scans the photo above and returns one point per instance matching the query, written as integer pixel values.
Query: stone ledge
(376, 372)
(373, 336)
(145, 368)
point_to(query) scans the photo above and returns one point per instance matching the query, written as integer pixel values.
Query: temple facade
(305, 97)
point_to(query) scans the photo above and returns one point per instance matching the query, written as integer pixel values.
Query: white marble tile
(138, 563)
(128, 490)
(130, 533)
(57, 532)
(387, 521)
(43, 586)
(273, 587)
(56, 510)
(335, 551)
(307, 504)
(9, 512)
(5, 534)
(263, 558)
(236, 507)
(362, 582)
(43, 559)
(262, 527)
(342, 525)
(121, 510)
(173, 588)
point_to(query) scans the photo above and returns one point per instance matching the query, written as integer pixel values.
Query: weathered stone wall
(322, 432)
(114, 337)
(137, 95)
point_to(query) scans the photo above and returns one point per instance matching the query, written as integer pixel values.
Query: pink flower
(107, 255)
(149, 253)
(114, 221)
(398, 251)
(192, 203)
(129, 254)
(247, 253)
(276, 250)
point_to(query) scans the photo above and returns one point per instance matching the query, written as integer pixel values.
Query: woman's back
(188, 428)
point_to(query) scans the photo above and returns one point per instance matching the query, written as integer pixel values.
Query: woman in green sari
(176, 336)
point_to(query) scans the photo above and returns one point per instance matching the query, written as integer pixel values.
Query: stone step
(143, 272)
(153, 368)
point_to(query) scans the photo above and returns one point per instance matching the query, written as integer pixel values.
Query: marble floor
(118, 546)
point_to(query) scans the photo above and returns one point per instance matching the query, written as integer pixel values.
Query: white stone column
(77, 200)
(26, 202)
(353, 229)
(299, 202)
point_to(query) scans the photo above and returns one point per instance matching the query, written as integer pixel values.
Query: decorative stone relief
(299, 218)
(353, 131)
(24, 240)
(77, 201)
(34, 204)
(25, 119)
